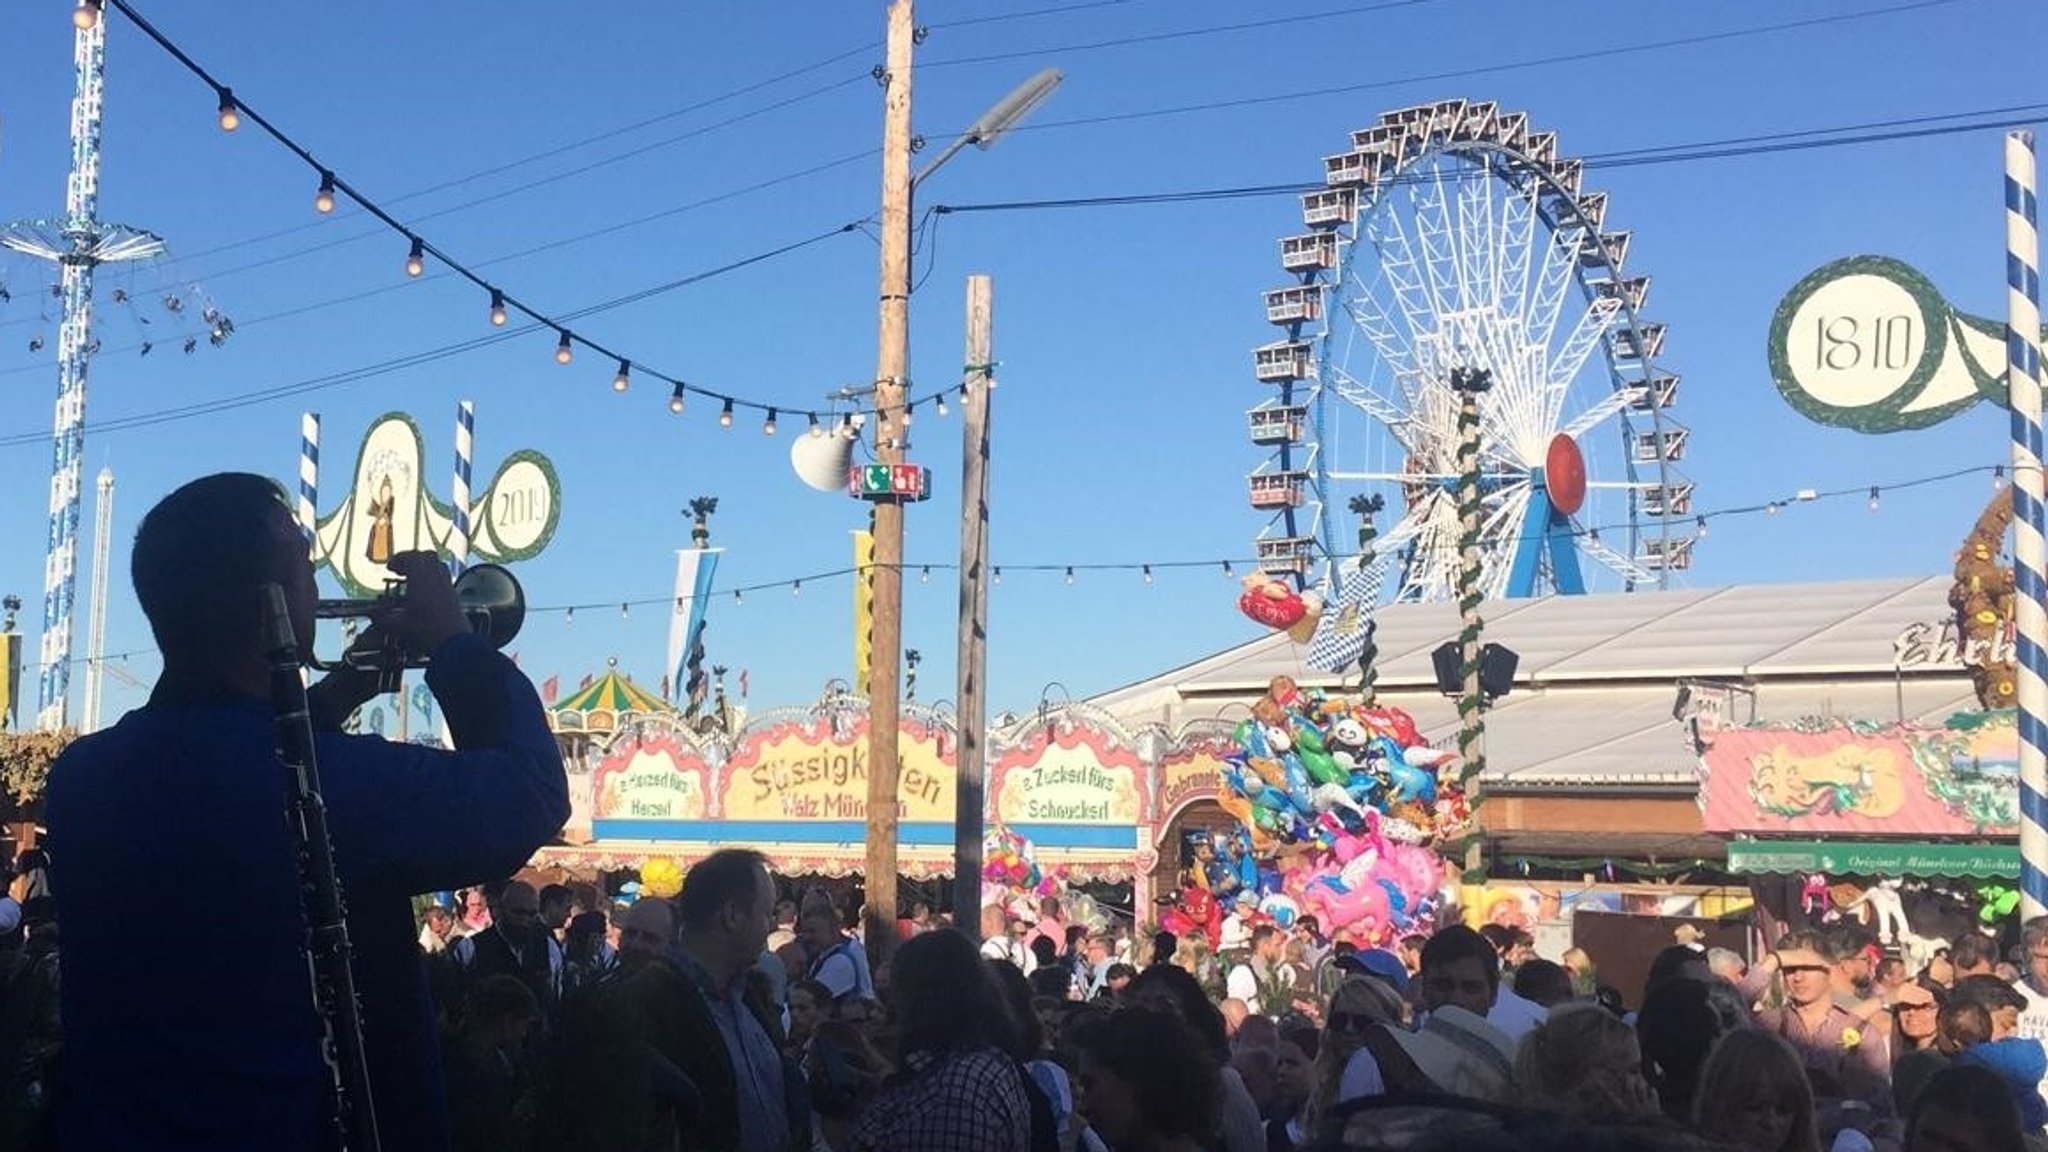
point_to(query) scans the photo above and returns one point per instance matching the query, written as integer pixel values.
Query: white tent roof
(1595, 692)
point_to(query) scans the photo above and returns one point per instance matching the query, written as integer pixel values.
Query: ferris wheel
(1449, 242)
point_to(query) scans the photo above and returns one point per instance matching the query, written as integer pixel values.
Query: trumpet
(490, 596)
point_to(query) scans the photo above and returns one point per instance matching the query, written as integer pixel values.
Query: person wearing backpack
(837, 960)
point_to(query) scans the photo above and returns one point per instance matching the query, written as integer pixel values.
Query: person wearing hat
(1455, 1050)
(1830, 1039)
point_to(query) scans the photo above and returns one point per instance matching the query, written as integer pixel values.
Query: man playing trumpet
(189, 1022)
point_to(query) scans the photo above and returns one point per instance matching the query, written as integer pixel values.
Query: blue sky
(1124, 333)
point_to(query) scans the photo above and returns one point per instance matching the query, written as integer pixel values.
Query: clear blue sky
(1124, 333)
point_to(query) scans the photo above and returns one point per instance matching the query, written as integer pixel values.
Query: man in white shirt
(1460, 980)
(837, 960)
(1260, 978)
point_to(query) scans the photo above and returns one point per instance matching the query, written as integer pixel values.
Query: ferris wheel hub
(1564, 475)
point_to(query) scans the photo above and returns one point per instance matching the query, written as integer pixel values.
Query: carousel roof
(614, 693)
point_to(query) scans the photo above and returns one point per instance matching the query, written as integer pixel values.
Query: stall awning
(1882, 859)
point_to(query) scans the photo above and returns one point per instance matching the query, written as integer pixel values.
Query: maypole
(465, 447)
(2030, 548)
(309, 481)
(77, 244)
(1469, 383)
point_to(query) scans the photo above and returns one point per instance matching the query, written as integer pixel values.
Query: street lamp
(1005, 115)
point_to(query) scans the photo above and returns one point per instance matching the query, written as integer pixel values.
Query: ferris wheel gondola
(1450, 237)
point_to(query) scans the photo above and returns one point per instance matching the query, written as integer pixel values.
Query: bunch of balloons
(1309, 766)
(1008, 863)
(661, 878)
(1338, 804)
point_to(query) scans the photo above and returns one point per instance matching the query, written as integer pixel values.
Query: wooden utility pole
(891, 386)
(977, 390)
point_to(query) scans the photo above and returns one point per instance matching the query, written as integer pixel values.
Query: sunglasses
(1792, 969)
(1351, 1021)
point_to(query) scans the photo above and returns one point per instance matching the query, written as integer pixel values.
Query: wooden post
(891, 381)
(976, 392)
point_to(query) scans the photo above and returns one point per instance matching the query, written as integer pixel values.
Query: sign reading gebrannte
(390, 508)
(1868, 343)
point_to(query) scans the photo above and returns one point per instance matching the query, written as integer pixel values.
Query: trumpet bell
(494, 602)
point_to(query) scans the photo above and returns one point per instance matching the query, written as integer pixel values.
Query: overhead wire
(1578, 57)
(234, 111)
(564, 149)
(1875, 132)
(1180, 34)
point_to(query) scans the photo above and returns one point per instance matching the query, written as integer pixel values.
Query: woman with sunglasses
(1359, 1004)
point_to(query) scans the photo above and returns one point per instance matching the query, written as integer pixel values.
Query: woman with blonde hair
(1754, 1094)
(1360, 1003)
(1193, 957)
(1584, 1063)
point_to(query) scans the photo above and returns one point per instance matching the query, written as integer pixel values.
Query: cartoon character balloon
(1338, 804)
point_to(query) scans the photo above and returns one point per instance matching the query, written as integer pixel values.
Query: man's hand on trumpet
(421, 619)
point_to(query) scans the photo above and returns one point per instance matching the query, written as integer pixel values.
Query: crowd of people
(738, 1016)
(743, 1016)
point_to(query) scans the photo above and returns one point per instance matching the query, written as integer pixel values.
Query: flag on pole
(550, 688)
(587, 678)
(743, 683)
(694, 570)
(1340, 636)
(863, 609)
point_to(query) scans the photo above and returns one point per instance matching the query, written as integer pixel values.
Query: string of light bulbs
(1230, 568)
(332, 188)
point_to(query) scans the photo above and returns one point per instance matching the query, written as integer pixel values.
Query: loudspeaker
(1497, 666)
(822, 461)
(1445, 659)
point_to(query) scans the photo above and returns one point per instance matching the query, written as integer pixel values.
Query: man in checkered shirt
(959, 1090)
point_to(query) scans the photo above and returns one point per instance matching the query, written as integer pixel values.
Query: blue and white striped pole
(465, 447)
(2030, 526)
(309, 480)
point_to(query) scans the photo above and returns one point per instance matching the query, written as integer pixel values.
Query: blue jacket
(188, 1015)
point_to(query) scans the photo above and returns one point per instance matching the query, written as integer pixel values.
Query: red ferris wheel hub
(1564, 475)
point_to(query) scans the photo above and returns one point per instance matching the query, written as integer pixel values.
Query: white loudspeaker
(822, 461)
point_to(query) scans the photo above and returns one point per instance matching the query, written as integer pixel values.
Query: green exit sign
(889, 481)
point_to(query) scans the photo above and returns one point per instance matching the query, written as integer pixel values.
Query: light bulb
(565, 350)
(939, 404)
(624, 379)
(1771, 509)
(999, 574)
(1148, 573)
(1873, 499)
(1227, 573)
(737, 598)
(1998, 477)
(796, 588)
(909, 413)
(323, 200)
(1701, 523)
(497, 308)
(416, 260)
(925, 576)
(768, 425)
(725, 415)
(230, 112)
(569, 617)
(85, 15)
(815, 430)
(624, 610)
(1070, 574)
(675, 400)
